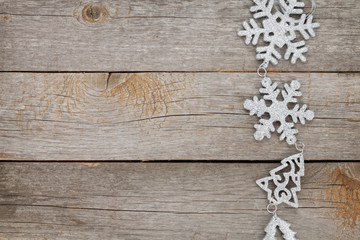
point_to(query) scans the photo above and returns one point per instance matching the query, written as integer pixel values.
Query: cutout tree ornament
(282, 180)
(283, 226)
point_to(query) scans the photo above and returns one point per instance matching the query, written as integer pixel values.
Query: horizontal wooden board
(138, 35)
(136, 201)
(165, 116)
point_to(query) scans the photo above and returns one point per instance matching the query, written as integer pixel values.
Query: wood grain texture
(165, 116)
(174, 35)
(158, 115)
(136, 201)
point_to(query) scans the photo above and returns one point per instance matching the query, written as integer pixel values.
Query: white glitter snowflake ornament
(279, 29)
(278, 111)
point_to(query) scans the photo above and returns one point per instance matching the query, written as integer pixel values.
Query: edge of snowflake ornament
(279, 29)
(278, 110)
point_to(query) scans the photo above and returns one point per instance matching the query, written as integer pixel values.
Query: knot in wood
(95, 13)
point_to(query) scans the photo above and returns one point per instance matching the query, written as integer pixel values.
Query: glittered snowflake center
(274, 115)
(279, 30)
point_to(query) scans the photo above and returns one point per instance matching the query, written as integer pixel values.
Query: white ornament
(278, 111)
(284, 227)
(281, 180)
(279, 28)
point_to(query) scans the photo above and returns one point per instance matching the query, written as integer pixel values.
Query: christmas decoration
(283, 226)
(278, 110)
(279, 28)
(282, 21)
(282, 179)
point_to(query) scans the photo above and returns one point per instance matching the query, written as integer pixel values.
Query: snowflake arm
(306, 26)
(268, 54)
(291, 92)
(301, 114)
(264, 129)
(297, 51)
(291, 7)
(269, 89)
(252, 31)
(262, 8)
(255, 106)
(287, 132)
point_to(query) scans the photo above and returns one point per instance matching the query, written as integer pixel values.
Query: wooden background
(124, 120)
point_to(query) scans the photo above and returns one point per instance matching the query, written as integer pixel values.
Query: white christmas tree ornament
(284, 192)
(283, 226)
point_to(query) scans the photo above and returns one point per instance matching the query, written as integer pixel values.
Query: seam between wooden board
(220, 71)
(174, 161)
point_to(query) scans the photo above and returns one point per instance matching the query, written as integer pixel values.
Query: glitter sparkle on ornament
(279, 29)
(285, 181)
(283, 226)
(278, 111)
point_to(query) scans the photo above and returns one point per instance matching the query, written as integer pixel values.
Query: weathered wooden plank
(162, 116)
(170, 201)
(39, 35)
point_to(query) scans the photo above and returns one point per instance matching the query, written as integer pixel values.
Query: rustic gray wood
(164, 116)
(197, 35)
(209, 201)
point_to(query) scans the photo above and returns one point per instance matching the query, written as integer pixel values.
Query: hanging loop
(272, 211)
(313, 7)
(261, 71)
(300, 146)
